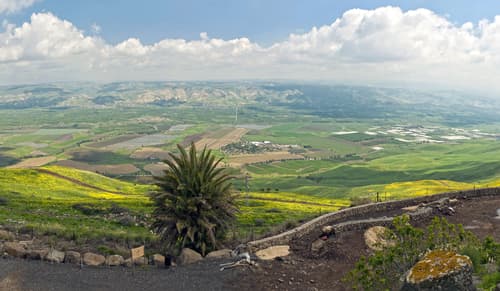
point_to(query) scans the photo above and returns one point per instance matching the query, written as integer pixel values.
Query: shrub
(194, 206)
(382, 270)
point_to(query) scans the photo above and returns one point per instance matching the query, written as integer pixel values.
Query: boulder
(328, 229)
(38, 254)
(15, 249)
(376, 238)
(127, 263)
(6, 235)
(273, 252)
(55, 256)
(219, 254)
(91, 259)
(159, 260)
(188, 256)
(114, 260)
(317, 246)
(440, 270)
(73, 257)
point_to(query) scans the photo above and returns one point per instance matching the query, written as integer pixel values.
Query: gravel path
(23, 275)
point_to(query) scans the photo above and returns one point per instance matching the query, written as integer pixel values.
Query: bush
(194, 206)
(382, 270)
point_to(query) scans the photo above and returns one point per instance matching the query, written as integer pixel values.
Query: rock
(6, 235)
(273, 252)
(376, 238)
(73, 257)
(498, 285)
(15, 249)
(38, 254)
(55, 256)
(188, 256)
(328, 229)
(219, 254)
(127, 263)
(91, 259)
(411, 208)
(159, 260)
(114, 260)
(440, 270)
(141, 261)
(317, 246)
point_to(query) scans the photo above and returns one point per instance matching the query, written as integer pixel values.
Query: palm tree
(194, 206)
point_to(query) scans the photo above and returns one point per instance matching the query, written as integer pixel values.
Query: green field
(352, 142)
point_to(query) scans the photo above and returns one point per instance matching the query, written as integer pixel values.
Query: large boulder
(91, 259)
(219, 254)
(188, 256)
(55, 256)
(440, 270)
(15, 249)
(376, 238)
(273, 252)
(114, 260)
(73, 257)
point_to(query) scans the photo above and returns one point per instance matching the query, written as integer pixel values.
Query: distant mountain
(322, 100)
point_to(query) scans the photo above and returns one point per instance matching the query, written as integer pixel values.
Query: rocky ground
(302, 270)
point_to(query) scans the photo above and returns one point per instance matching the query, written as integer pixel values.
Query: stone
(73, 257)
(188, 256)
(219, 254)
(127, 263)
(55, 256)
(114, 260)
(15, 249)
(328, 229)
(376, 238)
(159, 260)
(317, 246)
(411, 208)
(38, 254)
(498, 285)
(142, 261)
(440, 270)
(6, 235)
(91, 259)
(273, 252)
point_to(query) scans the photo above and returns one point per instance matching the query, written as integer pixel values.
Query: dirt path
(23, 275)
(78, 182)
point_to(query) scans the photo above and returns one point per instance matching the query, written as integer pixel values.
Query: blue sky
(263, 21)
(416, 43)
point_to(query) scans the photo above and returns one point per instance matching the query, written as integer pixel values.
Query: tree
(194, 205)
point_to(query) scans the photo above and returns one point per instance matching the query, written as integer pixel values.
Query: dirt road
(24, 275)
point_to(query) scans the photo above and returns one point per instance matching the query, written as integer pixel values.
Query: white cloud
(385, 45)
(10, 6)
(95, 28)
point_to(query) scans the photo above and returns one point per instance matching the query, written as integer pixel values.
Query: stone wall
(359, 211)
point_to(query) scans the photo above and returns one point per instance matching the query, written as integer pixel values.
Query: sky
(418, 43)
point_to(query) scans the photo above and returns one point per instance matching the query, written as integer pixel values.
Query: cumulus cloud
(384, 45)
(10, 6)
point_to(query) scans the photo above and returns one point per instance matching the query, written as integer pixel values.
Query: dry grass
(213, 142)
(150, 153)
(121, 169)
(33, 162)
